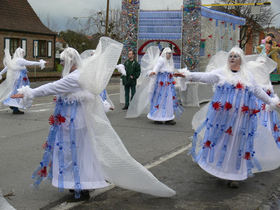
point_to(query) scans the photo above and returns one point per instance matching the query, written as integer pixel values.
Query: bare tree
(94, 23)
(254, 22)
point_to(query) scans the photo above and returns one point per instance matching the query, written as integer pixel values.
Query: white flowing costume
(88, 135)
(16, 77)
(156, 95)
(224, 143)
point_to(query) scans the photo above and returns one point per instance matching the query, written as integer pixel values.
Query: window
(14, 44)
(42, 48)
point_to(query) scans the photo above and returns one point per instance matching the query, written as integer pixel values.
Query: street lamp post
(107, 18)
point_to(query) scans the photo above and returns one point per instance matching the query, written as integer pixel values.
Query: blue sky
(58, 13)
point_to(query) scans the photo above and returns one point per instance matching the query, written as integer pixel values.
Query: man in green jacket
(133, 71)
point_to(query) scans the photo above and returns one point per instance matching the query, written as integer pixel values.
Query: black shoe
(170, 122)
(158, 122)
(12, 107)
(84, 196)
(125, 108)
(17, 111)
(233, 184)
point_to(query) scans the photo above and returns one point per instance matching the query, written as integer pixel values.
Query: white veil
(118, 166)
(71, 57)
(141, 100)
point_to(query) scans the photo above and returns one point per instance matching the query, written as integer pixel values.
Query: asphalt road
(162, 148)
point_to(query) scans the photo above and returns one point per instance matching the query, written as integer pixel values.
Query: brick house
(21, 27)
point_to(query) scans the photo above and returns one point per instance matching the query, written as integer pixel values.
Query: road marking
(39, 110)
(114, 94)
(160, 160)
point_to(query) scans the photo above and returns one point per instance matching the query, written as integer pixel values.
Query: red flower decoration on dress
(278, 140)
(228, 106)
(217, 105)
(173, 82)
(263, 106)
(173, 97)
(268, 92)
(210, 19)
(51, 120)
(247, 156)
(24, 79)
(43, 172)
(245, 108)
(168, 83)
(275, 128)
(255, 111)
(157, 106)
(210, 36)
(170, 76)
(222, 22)
(54, 99)
(207, 144)
(230, 38)
(209, 55)
(45, 145)
(239, 86)
(60, 119)
(222, 37)
(161, 83)
(229, 131)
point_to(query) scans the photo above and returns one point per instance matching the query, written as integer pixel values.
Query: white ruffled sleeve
(261, 94)
(205, 77)
(23, 62)
(68, 84)
(157, 67)
(121, 69)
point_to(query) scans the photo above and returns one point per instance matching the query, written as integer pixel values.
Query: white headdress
(86, 54)
(71, 57)
(168, 62)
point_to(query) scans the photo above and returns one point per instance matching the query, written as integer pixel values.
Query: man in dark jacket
(133, 71)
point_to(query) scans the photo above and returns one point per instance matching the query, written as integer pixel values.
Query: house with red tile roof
(21, 27)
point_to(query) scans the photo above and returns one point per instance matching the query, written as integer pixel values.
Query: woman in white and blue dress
(226, 134)
(15, 79)
(164, 103)
(83, 151)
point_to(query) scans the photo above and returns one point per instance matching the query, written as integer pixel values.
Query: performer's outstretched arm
(23, 62)
(3, 72)
(205, 77)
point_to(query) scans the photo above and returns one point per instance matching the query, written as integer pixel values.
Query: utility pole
(107, 18)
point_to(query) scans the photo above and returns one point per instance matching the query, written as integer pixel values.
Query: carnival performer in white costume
(224, 142)
(16, 77)
(158, 92)
(83, 151)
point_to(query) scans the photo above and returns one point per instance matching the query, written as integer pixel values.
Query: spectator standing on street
(129, 80)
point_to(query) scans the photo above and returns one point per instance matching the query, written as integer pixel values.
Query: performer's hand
(278, 105)
(17, 96)
(131, 77)
(152, 74)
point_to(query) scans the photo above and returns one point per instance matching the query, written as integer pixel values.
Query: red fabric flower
(268, 92)
(44, 146)
(263, 106)
(51, 120)
(43, 172)
(230, 38)
(157, 106)
(54, 99)
(222, 22)
(278, 140)
(275, 128)
(209, 55)
(167, 83)
(24, 79)
(245, 108)
(229, 131)
(239, 86)
(173, 82)
(217, 105)
(207, 144)
(161, 83)
(228, 106)
(247, 156)
(60, 119)
(255, 111)
(210, 19)
(210, 36)
(173, 97)
(170, 76)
